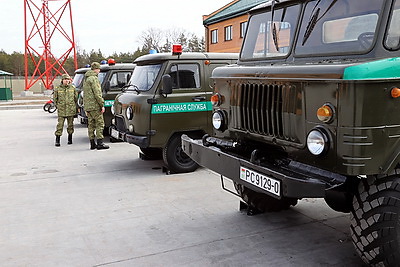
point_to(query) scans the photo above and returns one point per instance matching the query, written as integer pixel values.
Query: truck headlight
(317, 142)
(219, 120)
(129, 113)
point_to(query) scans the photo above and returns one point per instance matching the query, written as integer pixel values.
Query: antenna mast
(42, 27)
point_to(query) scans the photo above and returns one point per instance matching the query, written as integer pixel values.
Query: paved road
(70, 206)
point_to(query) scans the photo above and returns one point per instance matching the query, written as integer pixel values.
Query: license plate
(114, 133)
(268, 184)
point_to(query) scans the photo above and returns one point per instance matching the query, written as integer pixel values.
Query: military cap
(65, 77)
(95, 65)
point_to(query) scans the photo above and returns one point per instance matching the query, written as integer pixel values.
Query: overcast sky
(111, 26)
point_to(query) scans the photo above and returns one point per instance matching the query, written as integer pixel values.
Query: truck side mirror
(167, 84)
(107, 86)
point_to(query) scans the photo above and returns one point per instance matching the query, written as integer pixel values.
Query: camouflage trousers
(60, 125)
(95, 124)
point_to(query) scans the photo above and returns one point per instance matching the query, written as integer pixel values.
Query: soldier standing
(65, 99)
(94, 107)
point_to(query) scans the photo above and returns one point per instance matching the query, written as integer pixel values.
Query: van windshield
(143, 77)
(78, 78)
(101, 76)
(336, 27)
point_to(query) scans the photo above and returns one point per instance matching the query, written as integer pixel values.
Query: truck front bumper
(294, 183)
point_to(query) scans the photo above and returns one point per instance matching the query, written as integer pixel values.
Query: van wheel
(152, 153)
(375, 220)
(176, 160)
(263, 202)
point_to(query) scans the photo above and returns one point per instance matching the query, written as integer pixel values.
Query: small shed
(5, 85)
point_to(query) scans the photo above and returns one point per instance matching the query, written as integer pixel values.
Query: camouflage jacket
(92, 95)
(65, 98)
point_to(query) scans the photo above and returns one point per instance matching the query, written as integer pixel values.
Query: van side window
(119, 79)
(185, 76)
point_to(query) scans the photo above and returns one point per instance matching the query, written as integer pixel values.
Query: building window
(228, 33)
(243, 27)
(214, 36)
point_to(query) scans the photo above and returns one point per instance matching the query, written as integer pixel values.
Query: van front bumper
(141, 141)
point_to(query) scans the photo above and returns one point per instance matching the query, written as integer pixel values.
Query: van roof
(106, 67)
(185, 56)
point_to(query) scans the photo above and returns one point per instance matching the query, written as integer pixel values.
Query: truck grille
(266, 109)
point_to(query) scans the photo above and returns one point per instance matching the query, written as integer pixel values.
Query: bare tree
(151, 39)
(162, 41)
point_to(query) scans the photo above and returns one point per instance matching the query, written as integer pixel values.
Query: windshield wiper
(310, 26)
(274, 33)
(314, 19)
(128, 86)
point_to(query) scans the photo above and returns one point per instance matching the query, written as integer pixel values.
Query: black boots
(101, 145)
(92, 144)
(57, 140)
(69, 139)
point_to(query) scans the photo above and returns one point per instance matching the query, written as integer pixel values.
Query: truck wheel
(176, 160)
(263, 202)
(375, 221)
(152, 153)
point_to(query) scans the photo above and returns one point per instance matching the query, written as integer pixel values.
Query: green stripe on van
(380, 69)
(108, 103)
(181, 107)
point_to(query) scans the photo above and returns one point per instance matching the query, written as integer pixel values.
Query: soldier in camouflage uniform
(94, 106)
(65, 99)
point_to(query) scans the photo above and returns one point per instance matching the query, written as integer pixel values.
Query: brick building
(225, 27)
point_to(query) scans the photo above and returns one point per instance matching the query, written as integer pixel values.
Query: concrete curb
(13, 107)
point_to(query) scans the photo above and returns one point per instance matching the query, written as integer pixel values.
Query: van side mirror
(166, 84)
(107, 86)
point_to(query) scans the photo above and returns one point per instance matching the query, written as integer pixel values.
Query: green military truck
(168, 94)
(113, 77)
(312, 110)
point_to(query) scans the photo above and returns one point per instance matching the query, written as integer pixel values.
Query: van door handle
(199, 98)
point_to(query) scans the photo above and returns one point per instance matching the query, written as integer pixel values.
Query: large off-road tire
(263, 202)
(176, 160)
(152, 153)
(375, 221)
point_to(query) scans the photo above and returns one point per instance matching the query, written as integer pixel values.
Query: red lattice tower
(44, 27)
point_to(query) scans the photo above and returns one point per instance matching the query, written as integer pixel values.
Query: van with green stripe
(167, 96)
(312, 110)
(113, 77)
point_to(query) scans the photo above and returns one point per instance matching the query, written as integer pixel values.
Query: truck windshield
(266, 38)
(335, 27)
(143, 77)
(392, 40)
